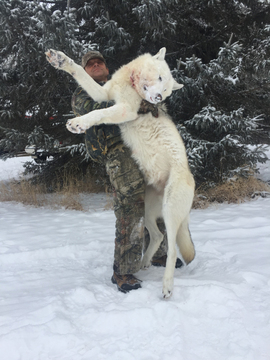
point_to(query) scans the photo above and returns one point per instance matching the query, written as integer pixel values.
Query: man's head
(95, 65)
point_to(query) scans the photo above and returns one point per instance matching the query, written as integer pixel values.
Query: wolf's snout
(158, 97)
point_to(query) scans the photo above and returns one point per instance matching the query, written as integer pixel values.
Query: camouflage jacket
(99, 139)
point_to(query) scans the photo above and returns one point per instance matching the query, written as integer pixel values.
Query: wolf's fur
(155, 143)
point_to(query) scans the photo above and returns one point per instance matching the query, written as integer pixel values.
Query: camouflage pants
(131, 238)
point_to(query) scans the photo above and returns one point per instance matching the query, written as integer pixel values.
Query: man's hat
(92, 55)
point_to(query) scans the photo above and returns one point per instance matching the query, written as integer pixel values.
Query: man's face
(97, 69)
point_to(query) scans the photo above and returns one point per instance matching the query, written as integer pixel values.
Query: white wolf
(155, 144)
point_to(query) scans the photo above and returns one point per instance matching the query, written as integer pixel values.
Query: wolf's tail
(184, 242)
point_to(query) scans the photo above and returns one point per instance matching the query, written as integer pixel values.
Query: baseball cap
(92, 55)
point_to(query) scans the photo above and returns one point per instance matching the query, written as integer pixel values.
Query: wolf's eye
(144, 87)
(160, 78)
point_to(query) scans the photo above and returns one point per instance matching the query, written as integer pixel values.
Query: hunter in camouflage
(104, 145)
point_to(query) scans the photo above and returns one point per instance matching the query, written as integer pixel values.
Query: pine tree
(218, 49)
(33, 99)
(218, 123)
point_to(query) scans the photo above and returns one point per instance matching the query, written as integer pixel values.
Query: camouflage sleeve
(98, 139)
(82, 103)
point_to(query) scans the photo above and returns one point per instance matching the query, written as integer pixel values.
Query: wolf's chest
(147, 143)
(142, 137)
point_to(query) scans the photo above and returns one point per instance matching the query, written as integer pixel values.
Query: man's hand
(147, 107)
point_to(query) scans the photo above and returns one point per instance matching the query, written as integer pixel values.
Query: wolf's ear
(161, 54)
(177, 86)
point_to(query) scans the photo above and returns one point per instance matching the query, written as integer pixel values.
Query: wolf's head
(152, 79)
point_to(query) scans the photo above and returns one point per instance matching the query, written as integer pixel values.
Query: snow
(12, 167)
(57, 300)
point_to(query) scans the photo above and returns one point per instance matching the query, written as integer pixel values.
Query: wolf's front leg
(80, 124)
(115, 114)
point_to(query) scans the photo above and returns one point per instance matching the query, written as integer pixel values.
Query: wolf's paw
(166, 293)
(167, 288)
(76, 126)
(145, 264)
(58, 59)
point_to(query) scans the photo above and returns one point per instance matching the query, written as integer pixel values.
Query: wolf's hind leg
(171, 257)
(153, 207)
(156, 238)
(178, 197)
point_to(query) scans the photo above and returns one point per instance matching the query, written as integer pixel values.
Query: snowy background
(57, 300)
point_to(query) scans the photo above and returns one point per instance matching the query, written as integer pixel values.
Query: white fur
(155, 143)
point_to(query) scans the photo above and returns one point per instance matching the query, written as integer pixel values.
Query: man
(104, 145)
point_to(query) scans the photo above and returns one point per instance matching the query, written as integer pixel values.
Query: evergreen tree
(218, 49)
(222, 107)
(33, 99)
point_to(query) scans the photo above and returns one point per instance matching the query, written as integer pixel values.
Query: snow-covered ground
(57, 300)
